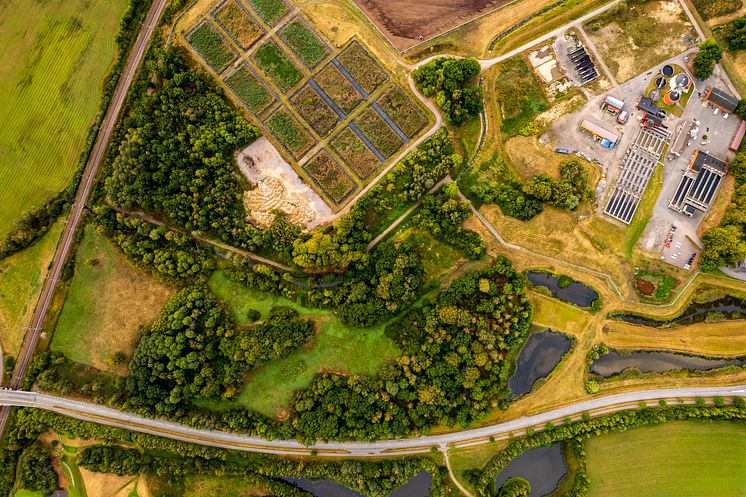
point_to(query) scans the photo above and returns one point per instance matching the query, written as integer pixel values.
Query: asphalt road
(64, 247)
(598, 405)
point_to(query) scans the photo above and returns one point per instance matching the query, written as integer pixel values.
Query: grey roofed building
(721, 99)
(701, 159)
(647, 105)
(699, 185)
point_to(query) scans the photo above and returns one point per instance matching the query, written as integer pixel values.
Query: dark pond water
(538, 358)
(731, 307)
(418, 486)
(544, 468)
(656, 362)
(576, 293)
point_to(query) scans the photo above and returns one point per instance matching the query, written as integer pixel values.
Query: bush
(592, 386)
(709, 54)
(715, 8)
(447, 81)
(564, 281)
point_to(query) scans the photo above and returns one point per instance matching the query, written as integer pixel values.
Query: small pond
(538, 357)
(418, 486)
(656, 362)
(577, 293)
(731, 307)
(544, 468)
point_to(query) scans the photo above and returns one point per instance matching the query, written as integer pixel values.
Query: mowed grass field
(21, 279)
(678, 459)
(108, 301)
(336, 347)
(53, 59)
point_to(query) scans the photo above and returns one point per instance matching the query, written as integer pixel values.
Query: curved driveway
(598, 405)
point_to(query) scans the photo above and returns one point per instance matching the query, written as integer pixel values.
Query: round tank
(655, 95)
(667, 70)
(660, 82)
(681, 80)
(674, 95)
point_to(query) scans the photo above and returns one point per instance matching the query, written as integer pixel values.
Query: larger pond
(541, 354)
(418, 486)
(656, 362)
(730, 307)
(544, 469)
(576, 293)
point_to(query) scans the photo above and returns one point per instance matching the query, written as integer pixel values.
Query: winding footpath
(417, 445)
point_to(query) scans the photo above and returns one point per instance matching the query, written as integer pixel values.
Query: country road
(476, 436)
(64, 247)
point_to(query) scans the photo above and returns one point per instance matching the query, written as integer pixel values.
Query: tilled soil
(406, 23)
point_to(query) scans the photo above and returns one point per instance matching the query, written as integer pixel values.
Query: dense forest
(447, 80)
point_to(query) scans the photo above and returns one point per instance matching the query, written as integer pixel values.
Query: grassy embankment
(21, 279)
(108, 301)
(336, 347)
(54, 57)
(681, 459)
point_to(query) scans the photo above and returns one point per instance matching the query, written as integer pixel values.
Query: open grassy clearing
(336, 347)
(108, 301)
(710, 9)
(724, 339)
(211, 46)
(380, 134)
(355, 153)
(312, 107)
(250, 89)
(27, 493)
(466, 458)
(276, 64)
(439, 260)
(520, 95)
(400, 108)
(304, 42)
(683, 458)
(54, 57)
(338, 88)
(557, 315)
(75, 484)
(624, 37)
(270, 10)
(214, 486)
(330, 176)
(238, 23)
(290, 133)
(530, 158)
(362, 67)
(21, 278)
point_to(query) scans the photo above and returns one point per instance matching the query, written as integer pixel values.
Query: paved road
(89, 175)
(601, 404)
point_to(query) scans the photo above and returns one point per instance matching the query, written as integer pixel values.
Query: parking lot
(678, 249)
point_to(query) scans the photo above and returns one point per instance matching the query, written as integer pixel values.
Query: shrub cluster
(447, 80)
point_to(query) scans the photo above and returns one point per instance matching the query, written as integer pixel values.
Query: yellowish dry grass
(726, 339)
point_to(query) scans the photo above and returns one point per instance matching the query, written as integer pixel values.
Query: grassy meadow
(21, 278)
(108, 301)
(336, 347)
(54, 57)
(678, 459)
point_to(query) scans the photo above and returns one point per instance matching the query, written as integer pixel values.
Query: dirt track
(403, 22)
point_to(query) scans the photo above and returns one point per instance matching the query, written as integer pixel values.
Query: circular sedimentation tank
(660, 82)
(667, 70)
(655, 95)
(674, 95)
(681, 80)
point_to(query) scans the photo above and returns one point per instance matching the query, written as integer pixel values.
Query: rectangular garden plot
(277, 65)
(338, 88)
(270, 10)
(400, 108)
(211, 46)
(380, 134)
(330, 176)
(355, 153)
(362, 67)
(250, 89)
(304, 42)
(290, 133)
(237, 21)
(312, 107)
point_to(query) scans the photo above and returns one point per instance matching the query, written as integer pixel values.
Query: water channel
(418, 486)
(538, 357)
(576, 293)
(656, 362)
(544, 469)
(730, 307)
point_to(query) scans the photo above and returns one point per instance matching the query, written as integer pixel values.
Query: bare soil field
(406, 25)
(278, 187)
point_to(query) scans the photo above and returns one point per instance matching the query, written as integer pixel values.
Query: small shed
(600, 131)
(739, 137)
(613, 105)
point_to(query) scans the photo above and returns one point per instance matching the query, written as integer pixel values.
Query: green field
(250, 90)
(107, 302)
(290, 133)
(380, 134)
(678, 459)
(335, 347)
(269, 10)
(75, 483)
(276, 64)
(54, 56)
(304, 42)
(216, 52)
(21, 278)
(223, 486)
(520, 96)
(27, 493)
(330, 176)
